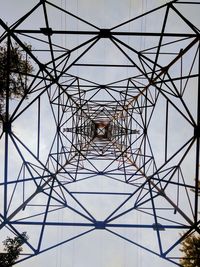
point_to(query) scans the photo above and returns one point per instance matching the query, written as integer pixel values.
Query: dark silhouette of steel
(118, 131)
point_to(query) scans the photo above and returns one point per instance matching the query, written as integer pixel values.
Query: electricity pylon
(72, 140)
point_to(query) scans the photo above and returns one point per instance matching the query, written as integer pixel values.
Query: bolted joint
(197, 131)
(39, 189)
(100, 225)
(7, 126)
(145, 130)
(46, 31)
(105, 33)
(42, 66)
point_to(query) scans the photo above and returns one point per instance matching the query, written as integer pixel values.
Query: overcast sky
(100, 248)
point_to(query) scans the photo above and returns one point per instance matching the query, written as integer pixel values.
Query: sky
(101, 194)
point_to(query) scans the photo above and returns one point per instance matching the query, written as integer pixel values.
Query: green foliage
(14, 67)
(12, 248)
(191, 249)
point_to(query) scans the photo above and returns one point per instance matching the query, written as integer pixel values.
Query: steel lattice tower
(131, 144)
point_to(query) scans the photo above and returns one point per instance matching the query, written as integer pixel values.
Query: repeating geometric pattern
(103, 153)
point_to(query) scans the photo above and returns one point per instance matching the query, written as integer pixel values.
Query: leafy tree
(12, 248)
(191, 249)
(17, 64)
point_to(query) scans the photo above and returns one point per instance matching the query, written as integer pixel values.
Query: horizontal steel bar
(103, 224)
(168, 34)
(104, 65)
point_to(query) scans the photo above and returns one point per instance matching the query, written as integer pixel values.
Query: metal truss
(138, 136)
